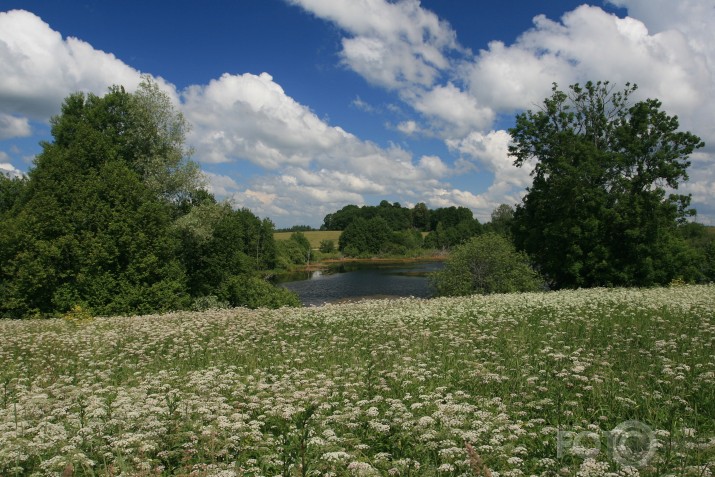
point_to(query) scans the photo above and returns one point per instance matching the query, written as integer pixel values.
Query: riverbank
(326, 263)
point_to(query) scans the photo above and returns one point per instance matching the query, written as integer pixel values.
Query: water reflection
(353, 280)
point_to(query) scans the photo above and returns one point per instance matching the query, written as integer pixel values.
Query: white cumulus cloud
(251, 117)
(7, 169)
(39, 68)
(13, 126)
(392, 44)
(664, 46)
(307, 161)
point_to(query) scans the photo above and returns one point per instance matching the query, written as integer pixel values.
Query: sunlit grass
(402, 387)
(313, 236)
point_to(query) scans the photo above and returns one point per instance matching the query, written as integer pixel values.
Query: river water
(356, 280)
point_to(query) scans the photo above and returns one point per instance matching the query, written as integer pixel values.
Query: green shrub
(254, 292)
(486, 264)
(78, 315)
(327, 246)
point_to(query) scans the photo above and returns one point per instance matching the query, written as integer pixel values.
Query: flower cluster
(452, 386)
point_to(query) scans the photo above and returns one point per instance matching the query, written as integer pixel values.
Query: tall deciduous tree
(11, 190)
(601, 210)
(158, 144)
(421, 217)
(502, 219)
(94, 224)
(112, 218)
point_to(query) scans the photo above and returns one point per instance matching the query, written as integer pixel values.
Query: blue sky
(299, 107)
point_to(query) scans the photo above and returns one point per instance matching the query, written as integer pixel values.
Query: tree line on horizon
(391, 229)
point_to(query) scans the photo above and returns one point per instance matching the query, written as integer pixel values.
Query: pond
(356, 280)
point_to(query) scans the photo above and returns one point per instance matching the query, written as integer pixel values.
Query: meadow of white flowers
(505, 385)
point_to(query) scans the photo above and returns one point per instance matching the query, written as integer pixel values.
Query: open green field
(589, 383)
(313, 236)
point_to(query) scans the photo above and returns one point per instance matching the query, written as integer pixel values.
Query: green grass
(314, 237)
(372, 388)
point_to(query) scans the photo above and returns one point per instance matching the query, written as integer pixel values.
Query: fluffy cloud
(38, 68)
(12, 126)
(688, 26)
(664, 46)
(434, 166)
(694, 17)
(310, 167)
(220, 185)
(250, 117)
(490, 151)
(392, 44)
(451, 197)
(403, 47)
(7, 169)
(306, 162)
(702, 185)
(588, 43)
(408, 127)
(451, 110)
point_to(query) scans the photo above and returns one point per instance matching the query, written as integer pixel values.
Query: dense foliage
(396, 216)
(113, 218)
(395, 230)
(420, 217)
(701, 242)
(294, 251)
(486, 264)
(502, 221)
(600, 211)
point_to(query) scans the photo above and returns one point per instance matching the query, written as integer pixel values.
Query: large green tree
(602, 208)
(11, 190)
(421, 217)
(92, 226)
(112, 217)
(502, 219)
(218, 242)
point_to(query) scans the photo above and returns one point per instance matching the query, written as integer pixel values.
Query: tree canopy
(602, 209)
(486, 264)
(395, 230)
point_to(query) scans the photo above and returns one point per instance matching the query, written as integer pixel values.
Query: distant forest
(391, 229)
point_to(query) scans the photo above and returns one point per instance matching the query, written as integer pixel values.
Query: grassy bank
(512, 385)
(316, 236)
(313, 236)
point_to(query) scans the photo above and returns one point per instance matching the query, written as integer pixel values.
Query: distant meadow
(599, 382)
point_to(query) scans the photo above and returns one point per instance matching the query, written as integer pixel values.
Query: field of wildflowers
(589, 383)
